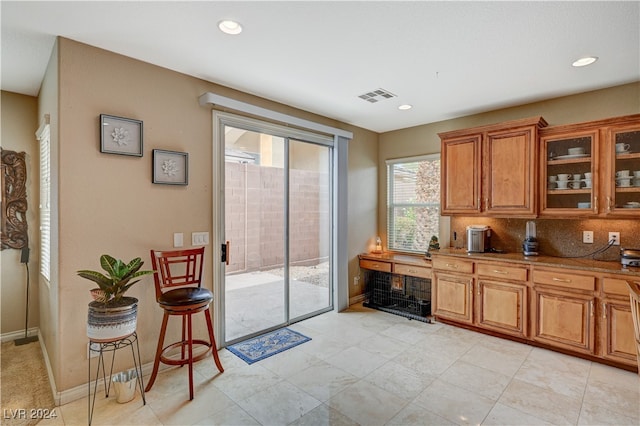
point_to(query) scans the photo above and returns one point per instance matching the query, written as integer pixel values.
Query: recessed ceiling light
(405, 107)
(587, 60)
(230, 27)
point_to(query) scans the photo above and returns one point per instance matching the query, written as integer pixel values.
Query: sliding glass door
(277, 222)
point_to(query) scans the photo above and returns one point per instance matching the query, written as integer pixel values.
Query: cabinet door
(569, 181)
(502, 307)
(616, 337)
(623, 183)
(453, 297)
(510, 172)
(564, 320)
(460, 181)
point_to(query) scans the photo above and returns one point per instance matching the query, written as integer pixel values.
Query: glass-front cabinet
(569, 178)
(623, 188)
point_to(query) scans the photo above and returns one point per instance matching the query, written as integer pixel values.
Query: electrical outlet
(615, 236)
(356, 281)
(94, 350)
(587, 237)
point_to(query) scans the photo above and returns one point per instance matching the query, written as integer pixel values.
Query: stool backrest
(177, 268)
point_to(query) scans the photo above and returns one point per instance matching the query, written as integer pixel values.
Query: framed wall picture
(170, 167)
(120, 135)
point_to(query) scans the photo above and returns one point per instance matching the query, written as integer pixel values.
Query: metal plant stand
(113, 346)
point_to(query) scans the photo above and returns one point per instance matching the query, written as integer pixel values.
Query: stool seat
(178, 282)
(186, 296)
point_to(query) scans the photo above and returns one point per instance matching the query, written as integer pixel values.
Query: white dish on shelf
(627, 206)
(563, 157)
(623, 152)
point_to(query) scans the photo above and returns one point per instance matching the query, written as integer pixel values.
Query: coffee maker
(478, 238)
(530, 244)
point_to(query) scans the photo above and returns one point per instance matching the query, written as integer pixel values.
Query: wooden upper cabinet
(491, 170)
(510, 177)
(460, 180)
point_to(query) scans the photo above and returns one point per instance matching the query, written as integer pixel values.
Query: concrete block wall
(254, 204)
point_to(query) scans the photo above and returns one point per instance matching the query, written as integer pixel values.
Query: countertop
(586, 264)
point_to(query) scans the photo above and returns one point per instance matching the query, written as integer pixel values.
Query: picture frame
(119, 135)
(170, 167)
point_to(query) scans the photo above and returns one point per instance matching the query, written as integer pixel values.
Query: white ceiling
(447, 59)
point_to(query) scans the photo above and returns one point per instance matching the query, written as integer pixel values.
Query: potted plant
(113, 316)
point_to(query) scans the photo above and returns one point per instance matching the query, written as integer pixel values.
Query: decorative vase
(113, 320)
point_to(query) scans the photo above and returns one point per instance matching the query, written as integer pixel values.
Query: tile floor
(372, 368)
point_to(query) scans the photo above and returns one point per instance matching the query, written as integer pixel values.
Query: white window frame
(391, 205)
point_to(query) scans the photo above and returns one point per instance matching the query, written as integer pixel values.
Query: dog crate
(402, 295)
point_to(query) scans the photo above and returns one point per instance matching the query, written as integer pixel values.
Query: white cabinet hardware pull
(376, 266)
(451, 265)
(604, 310)
(562, 280)
(591, 305)
(497, 271)
(412, 270)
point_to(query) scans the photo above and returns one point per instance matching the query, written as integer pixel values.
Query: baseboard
(13, 335)
(52, 381)
(356, 299)
(81, 391)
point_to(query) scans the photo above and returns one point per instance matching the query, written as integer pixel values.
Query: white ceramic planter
(109, 323)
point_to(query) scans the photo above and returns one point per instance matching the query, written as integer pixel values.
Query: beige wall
(19, 124)
(419, 140)
(107, 203)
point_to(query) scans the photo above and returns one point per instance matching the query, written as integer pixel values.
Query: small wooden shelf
(628, 189)
(569, 161)
(630, 156)
(569, 191)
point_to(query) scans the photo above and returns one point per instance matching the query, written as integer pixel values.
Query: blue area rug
(261, 347)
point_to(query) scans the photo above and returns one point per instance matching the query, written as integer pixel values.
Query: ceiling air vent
(376, 95)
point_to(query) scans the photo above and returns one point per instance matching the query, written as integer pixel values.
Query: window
(45, 200)
(413, 202)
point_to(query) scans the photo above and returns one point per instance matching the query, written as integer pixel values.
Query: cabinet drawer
(564, 279)
(615, 287)
(414, 271)
(502, 272)
(452, 264)
(375, 265)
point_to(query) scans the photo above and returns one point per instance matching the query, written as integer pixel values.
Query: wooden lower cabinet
(564, 319)
(616, 334)
(452, 297)
(502, 306)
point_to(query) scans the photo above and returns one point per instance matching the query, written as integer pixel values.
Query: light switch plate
(178, 239)
(199, 238)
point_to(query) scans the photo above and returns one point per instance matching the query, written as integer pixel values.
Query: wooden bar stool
(178, 281)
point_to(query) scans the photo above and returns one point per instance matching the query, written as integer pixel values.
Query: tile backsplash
(556, 237)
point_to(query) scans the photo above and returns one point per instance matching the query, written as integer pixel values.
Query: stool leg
(156, 363)
(212, 340)
(190, 337)
(184, 331)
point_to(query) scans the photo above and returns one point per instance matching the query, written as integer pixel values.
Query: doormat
(261, 347)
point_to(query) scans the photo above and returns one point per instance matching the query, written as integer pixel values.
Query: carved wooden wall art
(14, 200)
